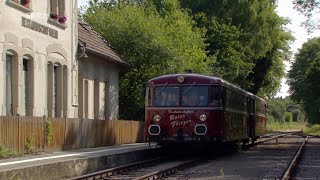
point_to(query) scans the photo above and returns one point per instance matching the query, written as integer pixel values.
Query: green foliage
(285, 126)
(313, 130)
(270, 118)
(248, 39)
(30, 144)
(284, 110)
(6, 153)
(310, 9)
(49, 132)
(287, 117)
(304, 81)
(298, 115)
(154, 42)
(243, 42)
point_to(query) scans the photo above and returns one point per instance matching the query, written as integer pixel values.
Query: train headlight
(203, 117)
(157, 118)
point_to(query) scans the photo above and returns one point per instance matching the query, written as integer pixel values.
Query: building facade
(39, 68)
(99, 67)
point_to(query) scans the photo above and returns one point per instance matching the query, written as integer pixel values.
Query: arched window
(8, 90)
(27, 81)
(50, 89)
(12, 83)
(65, 91)
(55, 90)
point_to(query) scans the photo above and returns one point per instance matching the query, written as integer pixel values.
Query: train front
(183, 108)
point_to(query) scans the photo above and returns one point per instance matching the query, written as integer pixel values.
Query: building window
(9, 105)
(96, 95)
(65, 91)
(57, 11)
(27, 82)
(57, 90)
(24, 92)
(86, 99)
(106, 100)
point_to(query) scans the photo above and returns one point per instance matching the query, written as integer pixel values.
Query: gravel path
(266, 161)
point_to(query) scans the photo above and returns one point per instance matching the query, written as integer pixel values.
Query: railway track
(150, 169)
(290, 169)
(277, 135)
(159, 168)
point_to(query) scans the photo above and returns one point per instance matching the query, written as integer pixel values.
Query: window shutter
(54, 5)
(61, 8)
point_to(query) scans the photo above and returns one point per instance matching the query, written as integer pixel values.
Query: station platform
(66, 164)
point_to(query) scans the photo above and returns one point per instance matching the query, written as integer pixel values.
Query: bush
(287, 117)
(313, 130)
(49, 133)
(270, 118)
(6, 153)
(296, 115)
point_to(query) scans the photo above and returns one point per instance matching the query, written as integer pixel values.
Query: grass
(6, 153)
(286, 126)
(307, 129)
(313, 130)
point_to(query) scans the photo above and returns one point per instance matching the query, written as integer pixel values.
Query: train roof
(190, 78)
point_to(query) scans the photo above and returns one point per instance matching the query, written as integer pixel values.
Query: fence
(49, 134)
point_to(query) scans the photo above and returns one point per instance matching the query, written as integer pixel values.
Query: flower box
(62, 19)
(55, 17)
(25, 2)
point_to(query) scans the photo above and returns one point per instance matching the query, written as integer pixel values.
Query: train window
(260, 107)
(167, 96)
(236, 100)
(216, 96)
(195, 96)
(149, 96)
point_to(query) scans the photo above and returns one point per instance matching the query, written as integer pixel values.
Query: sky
(284, 9)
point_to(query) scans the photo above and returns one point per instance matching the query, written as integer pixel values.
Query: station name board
(39, 28)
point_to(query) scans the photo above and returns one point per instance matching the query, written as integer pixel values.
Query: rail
(287, 175)
(278, 136)
(119, 169)
(167, 171)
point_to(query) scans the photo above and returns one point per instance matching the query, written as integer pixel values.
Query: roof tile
(96, 43)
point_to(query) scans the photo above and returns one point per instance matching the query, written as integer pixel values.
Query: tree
(304, 79)
(248, 40)
(309, 8)
(281, 110)
(154, 41)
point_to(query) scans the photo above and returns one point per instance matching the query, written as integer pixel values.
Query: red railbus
(190, 108)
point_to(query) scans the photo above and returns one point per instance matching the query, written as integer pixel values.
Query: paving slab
(66, 164)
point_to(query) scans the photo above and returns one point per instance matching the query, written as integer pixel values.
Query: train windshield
(195, 96)
(167, 96)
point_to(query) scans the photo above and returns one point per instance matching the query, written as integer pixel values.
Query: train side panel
(236, 126)
(260, 125)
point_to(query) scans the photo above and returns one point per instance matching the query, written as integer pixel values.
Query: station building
(53, 65)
